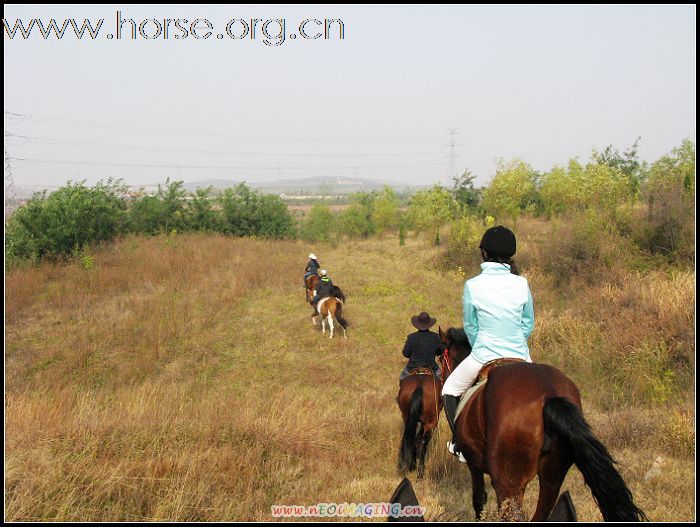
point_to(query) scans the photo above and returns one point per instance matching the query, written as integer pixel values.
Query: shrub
(318, 224)
(55, 225)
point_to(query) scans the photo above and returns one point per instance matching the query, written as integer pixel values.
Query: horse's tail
(338, 293)
(564, 419)
(408, 442)
(339, 315)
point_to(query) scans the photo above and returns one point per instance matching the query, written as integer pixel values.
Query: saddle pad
(468, 395)
(323, 301)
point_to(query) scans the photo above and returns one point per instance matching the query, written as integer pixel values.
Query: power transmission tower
(452, 154)
(10, 193)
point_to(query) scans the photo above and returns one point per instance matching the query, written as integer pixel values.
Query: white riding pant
(463, 377)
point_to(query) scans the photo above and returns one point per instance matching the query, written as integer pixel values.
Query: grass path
(229, 402)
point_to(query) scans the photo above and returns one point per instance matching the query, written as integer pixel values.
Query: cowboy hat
(312, 256)
(423, 321)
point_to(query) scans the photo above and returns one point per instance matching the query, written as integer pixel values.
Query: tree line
(610, 187)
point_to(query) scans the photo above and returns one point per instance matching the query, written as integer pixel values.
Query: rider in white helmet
(324, 288)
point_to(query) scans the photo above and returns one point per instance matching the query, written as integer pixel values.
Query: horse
(310, 282)
(420, 404)
(331, 308)
(527, 421)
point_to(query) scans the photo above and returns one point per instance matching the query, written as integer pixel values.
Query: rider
(311, 267)
(498, 318)
(422, 346)
(323, 290)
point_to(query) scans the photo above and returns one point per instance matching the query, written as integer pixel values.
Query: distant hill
(323, 185)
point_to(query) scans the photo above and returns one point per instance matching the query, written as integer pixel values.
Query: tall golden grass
(180, 378)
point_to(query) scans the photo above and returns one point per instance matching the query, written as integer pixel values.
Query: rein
(446, 362)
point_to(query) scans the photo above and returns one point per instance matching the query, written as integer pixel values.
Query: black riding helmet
(499, 242)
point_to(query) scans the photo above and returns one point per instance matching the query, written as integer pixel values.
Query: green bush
(57, 224)
(318, 224)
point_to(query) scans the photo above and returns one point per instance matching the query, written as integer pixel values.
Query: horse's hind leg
(553, 468)
(478, 492)
(423, 450)
(509, 476)
(330, 323)
(418, 440)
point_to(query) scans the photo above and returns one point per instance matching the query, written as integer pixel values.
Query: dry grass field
(180, 378)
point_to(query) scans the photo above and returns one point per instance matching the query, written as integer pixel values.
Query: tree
(626, 162)
(318, 224)
(249, 213)
(200, 214)
(464, 191)
(59, 223)
(511, 190)
(173, 207)
(670, 193)
(431, 209)
(354, 221)
(385, 213)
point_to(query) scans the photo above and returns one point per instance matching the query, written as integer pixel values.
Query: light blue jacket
(498, 313)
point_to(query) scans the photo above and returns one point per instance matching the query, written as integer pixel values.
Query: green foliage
(55, 225)
(431, 209)
(402, 233)
(318, 224)
(201, 215)
(249, 213)
(464, 191)
(626, 162)
(596, 186)
(511, 190)
(669, 227)
(355, 221)
(465, 236)
(88, 262)
(385, 211)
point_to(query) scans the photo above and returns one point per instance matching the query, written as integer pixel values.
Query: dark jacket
(312, 267)
(421, 348)
(323, 289)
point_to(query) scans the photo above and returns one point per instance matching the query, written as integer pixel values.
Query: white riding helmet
(312, 256)
(324, 272)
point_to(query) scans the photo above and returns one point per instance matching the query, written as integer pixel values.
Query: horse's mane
(338, 293)
(459, 337)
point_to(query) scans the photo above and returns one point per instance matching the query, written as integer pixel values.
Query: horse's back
(524, 383)
(514, 400)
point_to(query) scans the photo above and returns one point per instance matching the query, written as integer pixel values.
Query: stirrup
(452, 449)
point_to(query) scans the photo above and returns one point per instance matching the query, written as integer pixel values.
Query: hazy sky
(542, 83)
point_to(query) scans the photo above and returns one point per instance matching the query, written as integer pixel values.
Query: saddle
(481, 381)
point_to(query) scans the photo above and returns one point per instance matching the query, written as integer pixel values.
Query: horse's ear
(443, 336)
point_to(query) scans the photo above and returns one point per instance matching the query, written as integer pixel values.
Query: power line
(90, 144)
(160, 130)
(213, 167)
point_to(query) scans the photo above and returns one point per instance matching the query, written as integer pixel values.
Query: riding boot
(450, 403)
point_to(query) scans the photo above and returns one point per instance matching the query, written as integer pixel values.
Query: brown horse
(311, 282)
(329, 309)
(526, 421)
(420, 403)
